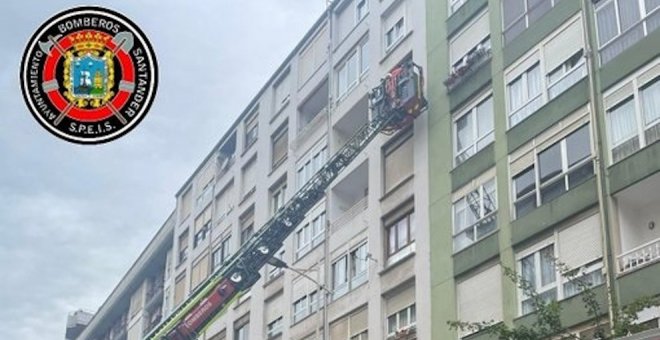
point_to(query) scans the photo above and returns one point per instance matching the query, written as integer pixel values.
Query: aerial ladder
(394, 104)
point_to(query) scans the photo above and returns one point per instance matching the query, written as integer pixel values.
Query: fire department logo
(89, 75)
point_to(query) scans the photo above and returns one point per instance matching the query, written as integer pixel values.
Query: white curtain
(485, 121)
(623, 123)
(607, 27)
(651, 102)
(464, 135)
(516, 94)
(547, 265)
(534, 81)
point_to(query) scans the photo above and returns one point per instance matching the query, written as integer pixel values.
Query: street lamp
(273, 261)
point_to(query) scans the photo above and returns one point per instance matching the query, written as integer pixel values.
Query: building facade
(543, 125)
(364, 249)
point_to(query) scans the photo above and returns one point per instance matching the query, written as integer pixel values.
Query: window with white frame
(349, 271)
(274, 328)
(577, 247)
(351, 68)
(525, 94)
(352, 326)
(281, 91)
(475, 215)
(205, 195)
(222, 254)
(311, 163)
(361, 10)
(622, 23)
(633, 121)
(473, 130)
(249, 177)
(395, 33)
(306, 305)
(556, 169)
(548, 70)
(278, 196)
(518, 15)
(400, 237)
(454, 5)
(310, 234)
(251, 130)
(279, 145)
(474, 39)
(274, 271)
(401, 320)
(566, 74)
(242, 328)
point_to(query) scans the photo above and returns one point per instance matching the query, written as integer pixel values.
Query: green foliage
(547, 323)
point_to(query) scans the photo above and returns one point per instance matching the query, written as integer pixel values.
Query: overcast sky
(73, 218)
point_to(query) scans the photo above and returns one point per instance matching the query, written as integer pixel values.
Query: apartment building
(363, 250)
(543, 130)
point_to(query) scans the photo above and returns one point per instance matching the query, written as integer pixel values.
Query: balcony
(470, 64)
(637, 208)
(350, 214)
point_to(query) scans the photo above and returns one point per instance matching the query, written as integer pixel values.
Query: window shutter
(205, 176)
(179, 289)
(313, 56)
(339, 329)
(521, 67)
(469, 38)
(480, 297)
(401, 300)
(249, 176)
(580, 243)
(273, 308)
(563, 45)
(619, 95)
(359, 321)
(398, 162)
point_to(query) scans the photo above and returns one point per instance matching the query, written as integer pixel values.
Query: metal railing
(639, 256)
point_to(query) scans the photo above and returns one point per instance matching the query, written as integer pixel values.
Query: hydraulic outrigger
(394, 104)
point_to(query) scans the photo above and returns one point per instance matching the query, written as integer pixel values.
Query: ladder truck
(394, 104)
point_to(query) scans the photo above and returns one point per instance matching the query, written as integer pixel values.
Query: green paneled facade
(617, 196)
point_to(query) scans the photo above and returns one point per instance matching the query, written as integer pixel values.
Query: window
(474, 215)
(186, 203)
(465, 46)
(183, 246)
(349, 271)
(274, 328)
(224, 203)
(179, 289)
(473, 131)
(352, 326)
(205, 196)
(400, 237)
(247, 226)
(273, 271)
(277, 197)
(558, 168)
(566, 74)
(280, 145)
(399, 161)
(199, 272)
(622, 23)
(222, 254)
(361, 10)
(524, 94)
(633, 122)
(241, 333)
(249, 177)
(305, 306)
(310, 234)
(350, 70)
(518, 15)
(251, 130)
(578, 247)
(394, 34)
(311, 163)
(454, 5)
(281, 92)
(202, 226)
(401, 320)
(479, 297)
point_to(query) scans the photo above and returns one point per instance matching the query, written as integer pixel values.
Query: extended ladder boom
(394, 104)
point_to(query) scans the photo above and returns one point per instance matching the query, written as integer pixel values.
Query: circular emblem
(89, 75)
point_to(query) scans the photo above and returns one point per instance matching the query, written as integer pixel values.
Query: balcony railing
(470, 65)
(350, 213)
(637, 257)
